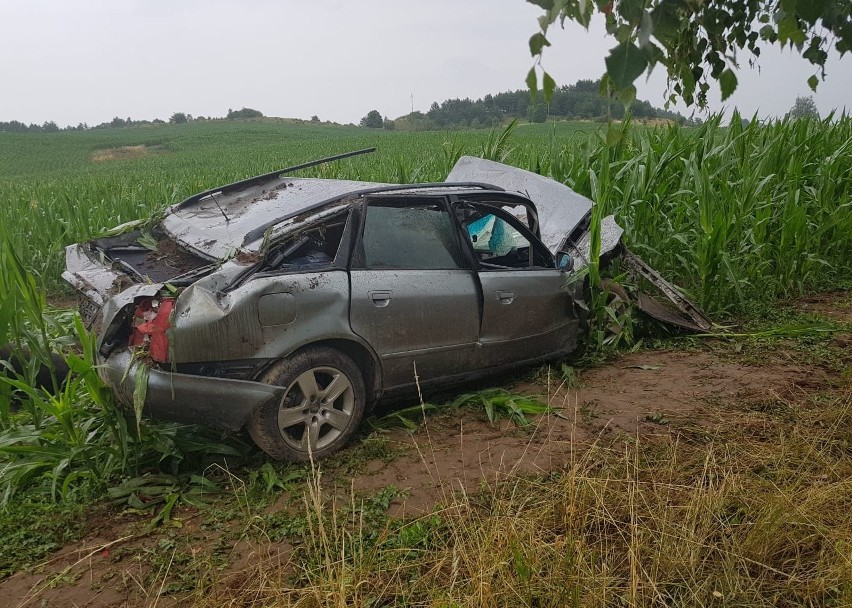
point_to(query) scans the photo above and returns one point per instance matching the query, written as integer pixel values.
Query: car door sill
(553, 330)
(410, 388)
(427, 351)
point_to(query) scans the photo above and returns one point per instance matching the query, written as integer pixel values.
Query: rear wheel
(321, 409)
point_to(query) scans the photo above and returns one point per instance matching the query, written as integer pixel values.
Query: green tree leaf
(813, 81)
(728, 83)
(789, 30)
(625, 64)
(532, 82)
(537, 42)
(811, 10)
(548, 85)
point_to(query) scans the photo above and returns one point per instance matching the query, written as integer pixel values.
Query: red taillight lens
(150, 323)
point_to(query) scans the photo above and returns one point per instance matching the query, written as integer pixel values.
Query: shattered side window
(498, 241)
(422, 238)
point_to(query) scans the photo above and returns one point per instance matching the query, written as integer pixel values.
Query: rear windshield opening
(150, 256)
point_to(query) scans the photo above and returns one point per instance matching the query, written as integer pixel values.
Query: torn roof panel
(218, 224)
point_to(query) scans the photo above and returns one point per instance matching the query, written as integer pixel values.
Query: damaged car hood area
(562, 213)
(564, 216)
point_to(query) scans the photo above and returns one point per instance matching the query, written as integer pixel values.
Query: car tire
(321, 409)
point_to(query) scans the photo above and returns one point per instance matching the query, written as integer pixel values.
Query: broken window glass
(499, 240)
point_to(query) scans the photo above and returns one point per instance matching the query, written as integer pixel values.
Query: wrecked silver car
(288, 306)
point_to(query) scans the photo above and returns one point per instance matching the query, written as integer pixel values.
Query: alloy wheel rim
(316, 409)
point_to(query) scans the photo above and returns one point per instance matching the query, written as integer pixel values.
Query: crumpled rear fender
(267, 317)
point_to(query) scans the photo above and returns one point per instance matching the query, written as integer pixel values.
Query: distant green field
(733, 214)
(232, 149)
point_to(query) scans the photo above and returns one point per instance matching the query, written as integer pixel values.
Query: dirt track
(649, 393)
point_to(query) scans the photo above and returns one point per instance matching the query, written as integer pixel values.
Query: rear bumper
(217, 402)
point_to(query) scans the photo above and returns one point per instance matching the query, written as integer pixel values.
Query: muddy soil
(647, 395)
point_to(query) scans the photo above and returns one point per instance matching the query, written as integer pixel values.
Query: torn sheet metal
(691, 317)
(560, 212)
(611, 234)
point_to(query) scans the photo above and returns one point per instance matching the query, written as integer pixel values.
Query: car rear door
(414, 292)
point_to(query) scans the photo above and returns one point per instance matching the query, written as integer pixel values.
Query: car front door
(414, 292)
(527, 312)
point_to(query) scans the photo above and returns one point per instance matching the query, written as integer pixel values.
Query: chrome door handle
(380, 298)
(505, 297)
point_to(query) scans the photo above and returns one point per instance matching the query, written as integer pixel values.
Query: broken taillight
(150, 323)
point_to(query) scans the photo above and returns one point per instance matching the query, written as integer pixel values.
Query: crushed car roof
(217, 223)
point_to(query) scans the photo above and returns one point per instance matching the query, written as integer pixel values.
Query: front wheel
(321, 409)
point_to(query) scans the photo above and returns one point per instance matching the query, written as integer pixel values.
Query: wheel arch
(361, 354)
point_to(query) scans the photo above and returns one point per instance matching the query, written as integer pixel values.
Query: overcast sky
(90, 60)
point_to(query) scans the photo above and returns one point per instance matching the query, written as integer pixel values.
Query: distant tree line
(579, 101)
(14, 126)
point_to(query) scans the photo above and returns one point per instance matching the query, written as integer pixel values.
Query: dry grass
(755, 515)
(121, 153)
